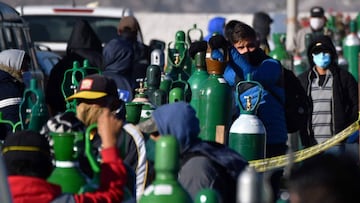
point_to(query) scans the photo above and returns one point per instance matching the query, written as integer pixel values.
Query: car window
(51, 28)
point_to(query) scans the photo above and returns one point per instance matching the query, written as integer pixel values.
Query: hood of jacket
(261, 24)
(119, 56)
(84, 42)
(178, 119)
(327, 44)
(11, 61)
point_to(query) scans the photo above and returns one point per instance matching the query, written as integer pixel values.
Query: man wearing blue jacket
(249, 60)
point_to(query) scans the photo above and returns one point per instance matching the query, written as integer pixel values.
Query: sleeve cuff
(110, 154)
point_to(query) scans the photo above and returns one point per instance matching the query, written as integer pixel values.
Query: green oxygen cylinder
(215, 101)
(331, 24)
(133, 112)
(358, 24)
(247, 133)
(71, 81)
(158, 59)
(67, 173)
(176, 94)
(194, 34)
(156, 95)
(165, 83)
(180, 91)
(33, 110)
(351, 48)
(14, 126)
(165, 188)
(279, 52)
(141, 98)
(197, 79)
(178, 61)
(207, 196)
(182, 46)
(298, 65)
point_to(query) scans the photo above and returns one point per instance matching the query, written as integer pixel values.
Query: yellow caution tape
(263, 165)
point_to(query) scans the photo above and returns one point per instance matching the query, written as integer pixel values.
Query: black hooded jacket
(345, 90)
(82, 44)
(261, 24)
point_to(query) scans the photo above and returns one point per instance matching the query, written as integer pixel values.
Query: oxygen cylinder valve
(177, 58)
(248, 103)
(141, 88)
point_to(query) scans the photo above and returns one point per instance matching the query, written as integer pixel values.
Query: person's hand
(217, 42)
(108, 128)
(196, 47)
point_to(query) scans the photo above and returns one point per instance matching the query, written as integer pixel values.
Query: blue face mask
(322, 59)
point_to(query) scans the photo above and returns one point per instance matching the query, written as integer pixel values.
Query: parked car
(51, 26)
(15, 34)
(47, 59)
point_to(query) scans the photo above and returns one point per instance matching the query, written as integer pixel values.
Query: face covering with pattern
(88, 113)
(322, 60)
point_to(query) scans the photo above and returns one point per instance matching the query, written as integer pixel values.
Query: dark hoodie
(345, 88)
(261, 24)
(12, 87)
(203, 164)
(119, 62)
(327, 43)
(82, 44)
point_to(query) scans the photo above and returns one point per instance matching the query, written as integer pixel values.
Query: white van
(51, 26)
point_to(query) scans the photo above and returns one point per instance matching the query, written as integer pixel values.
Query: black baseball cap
(317, 11)
(94, 87)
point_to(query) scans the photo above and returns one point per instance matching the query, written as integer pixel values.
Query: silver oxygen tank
(252, 187)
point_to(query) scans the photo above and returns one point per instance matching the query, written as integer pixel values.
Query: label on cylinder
(162, 189)
(221, 80)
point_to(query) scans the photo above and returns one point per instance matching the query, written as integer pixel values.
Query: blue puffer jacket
(267, 73)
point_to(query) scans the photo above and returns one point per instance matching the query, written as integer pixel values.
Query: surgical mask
(322, 60)
(317, 23)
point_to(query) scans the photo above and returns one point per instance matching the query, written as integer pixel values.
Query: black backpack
(296, 101)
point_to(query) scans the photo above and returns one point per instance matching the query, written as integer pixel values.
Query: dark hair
(242, 31)
(326, 178)
(229, 29)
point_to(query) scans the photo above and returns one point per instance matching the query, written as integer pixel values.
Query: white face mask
(317, 23)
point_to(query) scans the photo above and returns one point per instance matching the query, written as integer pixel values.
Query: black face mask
(255, 57)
